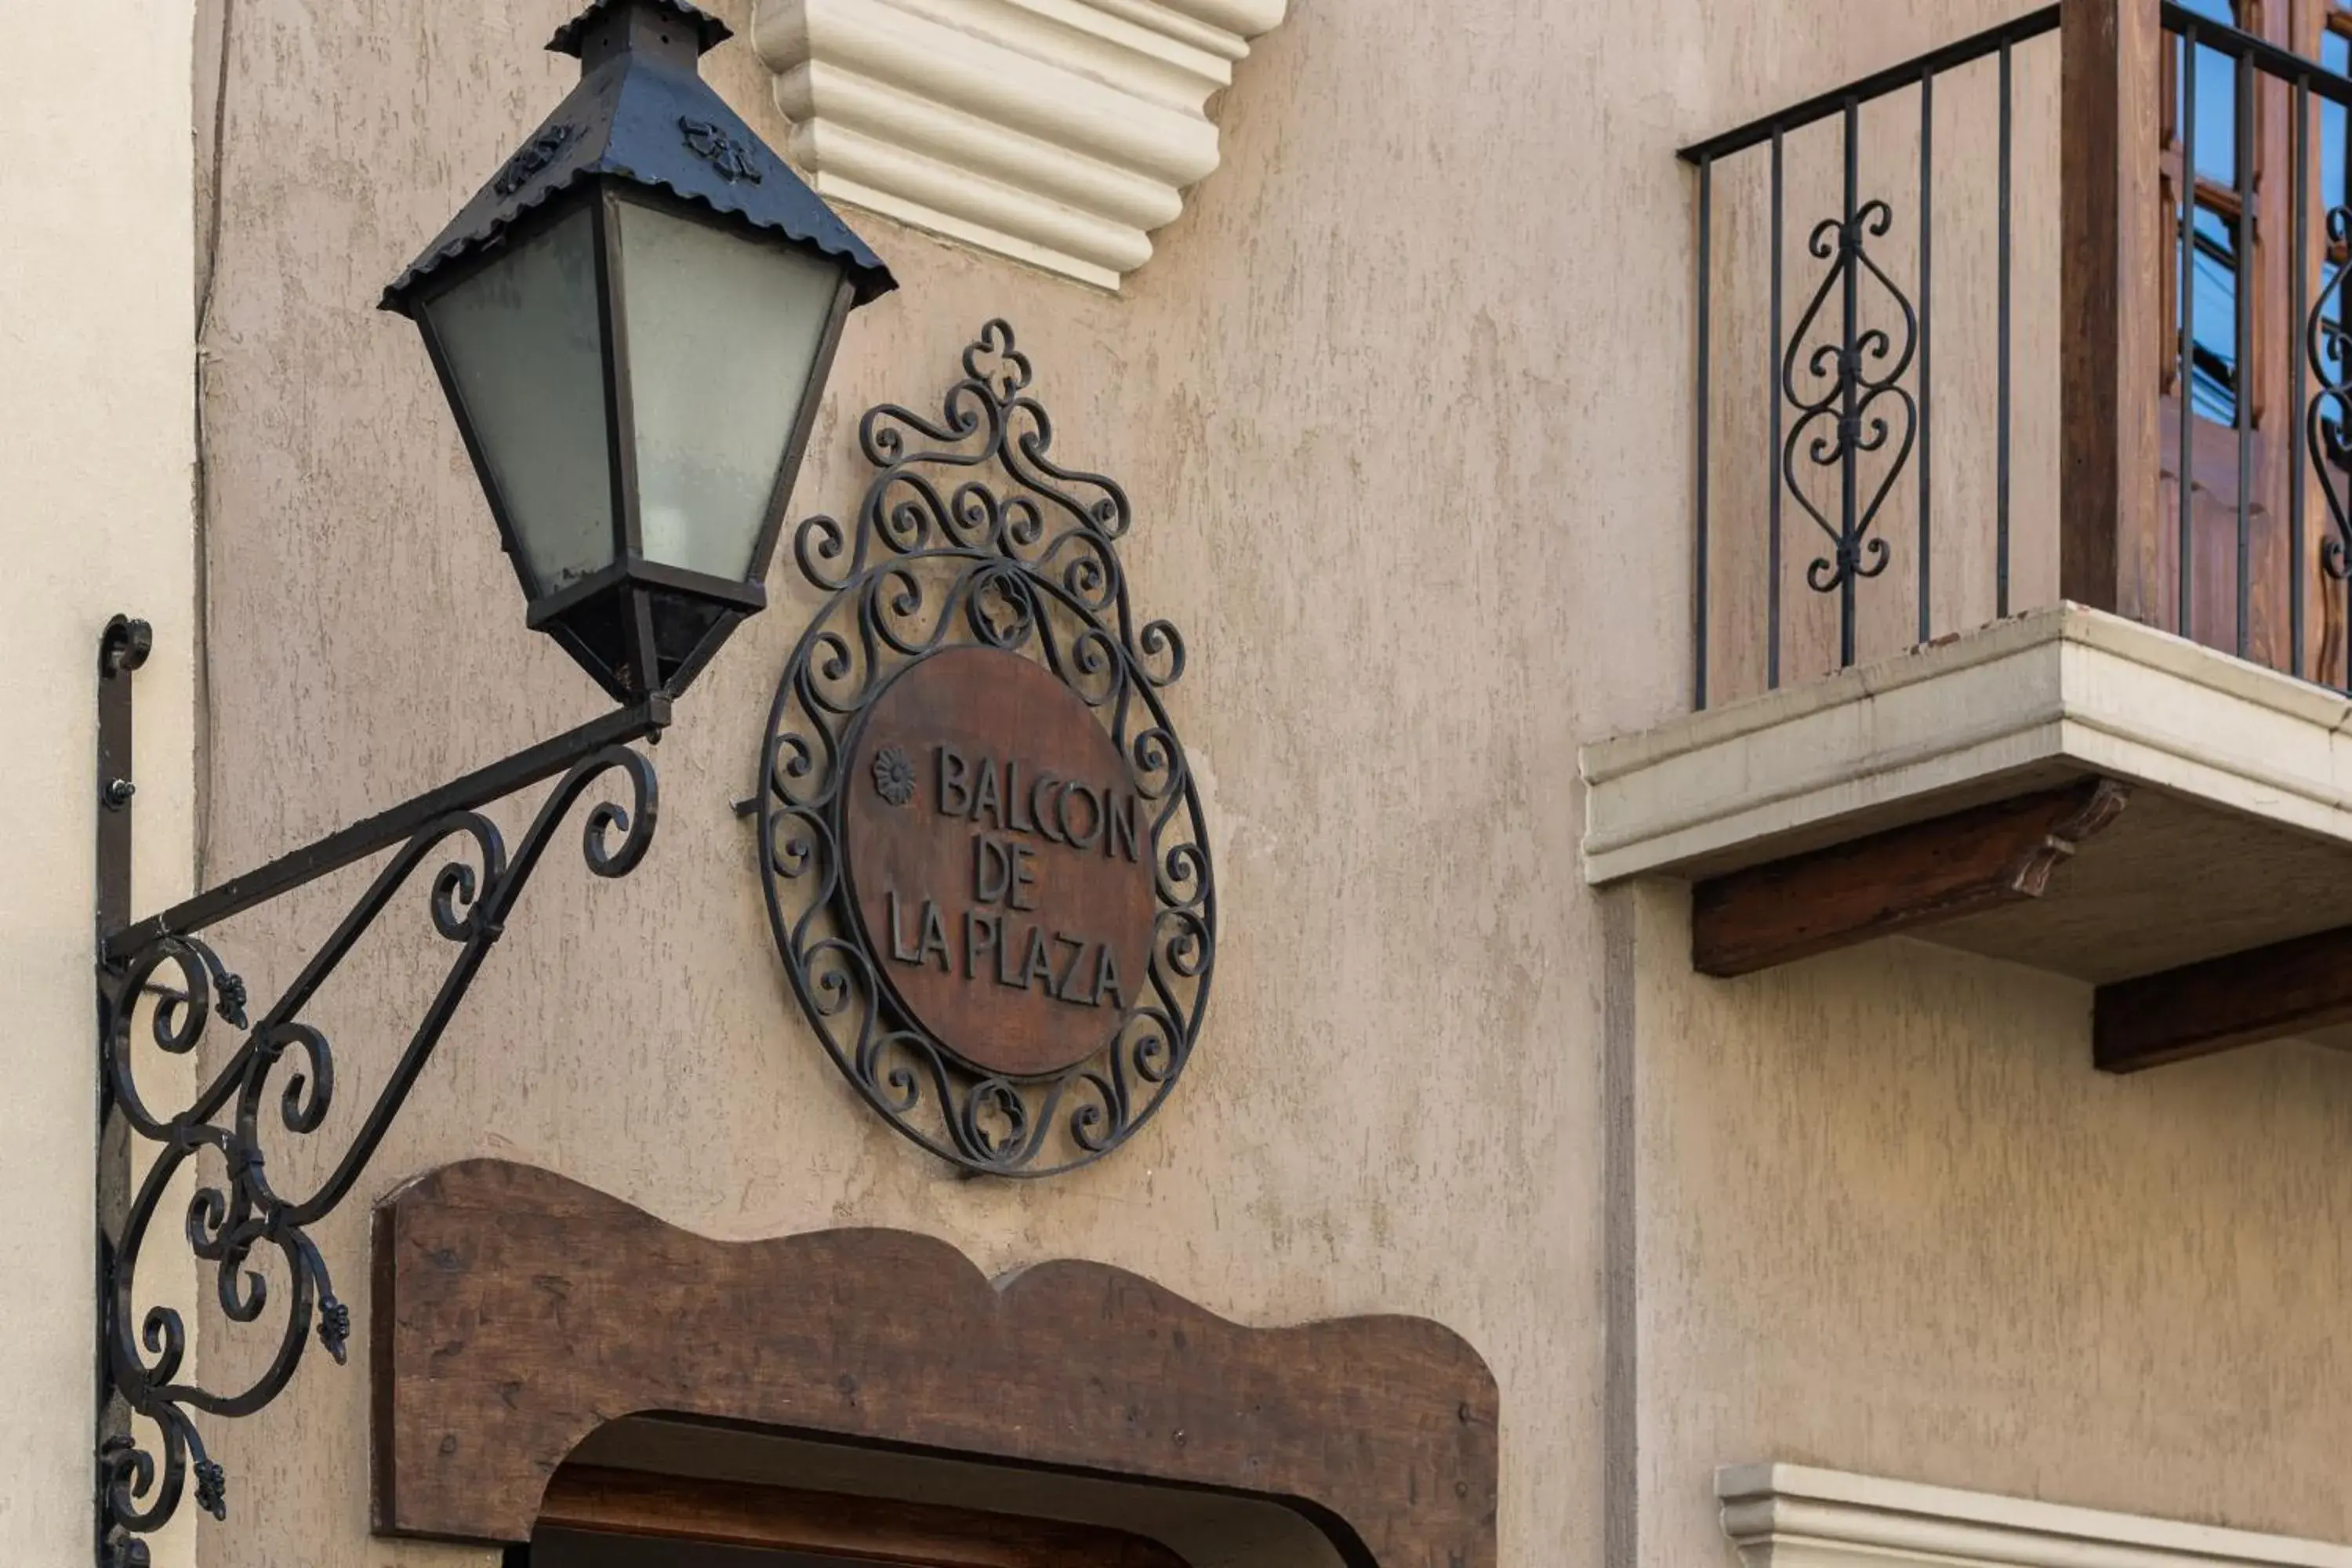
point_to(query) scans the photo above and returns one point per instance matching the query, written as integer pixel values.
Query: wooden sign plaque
(1000, 857)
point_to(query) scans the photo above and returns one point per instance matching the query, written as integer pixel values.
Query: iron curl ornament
(162, 986)
(2327, 417)
(1840, 419)
(982, 572)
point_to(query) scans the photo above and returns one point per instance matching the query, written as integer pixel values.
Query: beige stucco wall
(96, 312)
(1337, 399)
(1402, 404)
(1888, 1219)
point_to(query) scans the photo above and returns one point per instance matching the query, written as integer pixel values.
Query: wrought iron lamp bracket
(164, 965)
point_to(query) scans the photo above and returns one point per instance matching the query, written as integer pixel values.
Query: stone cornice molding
(1790, 1516)
(2063, 689)
(1059, 132)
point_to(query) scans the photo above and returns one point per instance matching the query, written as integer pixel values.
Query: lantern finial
(609, 26)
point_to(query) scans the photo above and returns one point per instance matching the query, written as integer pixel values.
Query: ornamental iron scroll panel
(2327, 417)
(162, 973)
(970, 535)
(1840, 419)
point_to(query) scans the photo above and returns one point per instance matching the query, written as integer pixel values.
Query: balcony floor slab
(2238, 833)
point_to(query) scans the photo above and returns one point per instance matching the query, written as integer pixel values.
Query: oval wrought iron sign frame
(970, 535)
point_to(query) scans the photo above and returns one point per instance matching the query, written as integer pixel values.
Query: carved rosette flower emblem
(894, 776)
(1006, 947)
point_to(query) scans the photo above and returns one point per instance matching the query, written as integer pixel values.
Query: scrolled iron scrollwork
(971, 535)
(279, 1082)
(2327, 417)
(1856, 390)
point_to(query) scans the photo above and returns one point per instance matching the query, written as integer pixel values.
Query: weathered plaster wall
(96, 299)
(1889, 1219)
(1403, 405)
(1356, 423)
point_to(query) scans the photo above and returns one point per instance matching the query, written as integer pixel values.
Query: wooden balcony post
(2112, 284)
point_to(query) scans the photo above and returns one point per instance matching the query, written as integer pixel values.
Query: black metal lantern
(634, 324)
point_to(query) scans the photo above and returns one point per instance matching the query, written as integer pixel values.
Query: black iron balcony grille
(1846, 461)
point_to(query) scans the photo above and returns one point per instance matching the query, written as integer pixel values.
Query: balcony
(2023, 532)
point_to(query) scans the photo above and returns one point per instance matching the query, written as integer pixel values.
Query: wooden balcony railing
(2055, 311)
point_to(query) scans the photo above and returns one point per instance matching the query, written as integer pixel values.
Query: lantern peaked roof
(642, 115)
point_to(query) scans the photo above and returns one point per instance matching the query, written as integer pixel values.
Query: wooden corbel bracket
(1905, 878)
(2285, 989)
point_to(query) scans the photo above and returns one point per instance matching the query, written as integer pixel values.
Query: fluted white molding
(1060, 132)
(1790, 1516)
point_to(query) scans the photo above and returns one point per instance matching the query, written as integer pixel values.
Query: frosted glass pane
(522, 341)
(723, 333)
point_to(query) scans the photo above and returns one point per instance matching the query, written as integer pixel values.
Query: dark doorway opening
(599, 1517)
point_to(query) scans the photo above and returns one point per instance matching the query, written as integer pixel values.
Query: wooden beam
(516, 1313)
(847, 1528)
(1894, 881)
(2111, 286)
(2240, 999)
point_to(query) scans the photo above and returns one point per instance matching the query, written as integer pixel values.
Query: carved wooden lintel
(1898, 880)
(2218, 1005)
(516, 1312)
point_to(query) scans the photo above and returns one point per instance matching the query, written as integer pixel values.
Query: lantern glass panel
(523, 344)
(723, 334)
